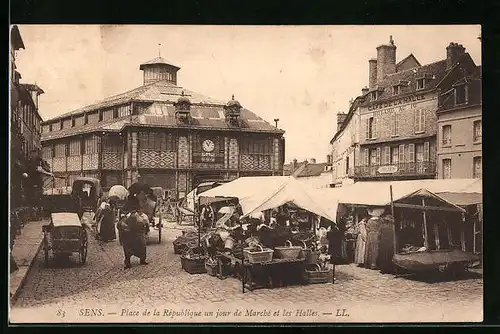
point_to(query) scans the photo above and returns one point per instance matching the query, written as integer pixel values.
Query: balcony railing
(424, 168)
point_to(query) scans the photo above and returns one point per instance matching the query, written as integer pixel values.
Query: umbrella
(118, 191)
(226, 210)
(137, 187)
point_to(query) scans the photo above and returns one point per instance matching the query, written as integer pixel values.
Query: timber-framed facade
(172, 137)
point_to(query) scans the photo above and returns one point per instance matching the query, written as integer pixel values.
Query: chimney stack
(340, 119)
(372, 78)
(453, 52)
(386, 60)
(329, 159)
(294, 165)
(365, 90)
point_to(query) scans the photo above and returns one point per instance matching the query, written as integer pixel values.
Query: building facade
(25, 119)
(459, 115)
(172, 137)
(390, 132)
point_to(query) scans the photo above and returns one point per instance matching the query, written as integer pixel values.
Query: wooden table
(275, 272)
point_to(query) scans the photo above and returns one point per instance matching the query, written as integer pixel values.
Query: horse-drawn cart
(64, 236)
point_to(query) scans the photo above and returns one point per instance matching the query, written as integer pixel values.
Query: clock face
(208, 145)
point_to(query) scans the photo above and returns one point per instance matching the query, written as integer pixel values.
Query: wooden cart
(65, 235)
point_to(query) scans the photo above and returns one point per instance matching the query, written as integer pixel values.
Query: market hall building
(390, 131)
(170, 136)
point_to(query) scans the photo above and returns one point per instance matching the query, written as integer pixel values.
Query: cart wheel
(83, 255)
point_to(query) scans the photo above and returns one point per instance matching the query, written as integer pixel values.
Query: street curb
(14, 296)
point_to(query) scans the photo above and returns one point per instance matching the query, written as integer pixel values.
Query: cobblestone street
(103, 282)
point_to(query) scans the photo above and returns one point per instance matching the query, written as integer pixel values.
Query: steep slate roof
(433, 72)
(309, 169)
(206, 113)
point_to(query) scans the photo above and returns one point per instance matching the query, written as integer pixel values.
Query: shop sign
(387, 169)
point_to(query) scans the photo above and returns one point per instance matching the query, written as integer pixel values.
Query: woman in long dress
(359, 257)
(105, 216)
(386, 245)
(134, 229)
(372, 242)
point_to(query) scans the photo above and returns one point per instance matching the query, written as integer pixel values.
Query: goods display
(316, 274)
(193, 262)
(288, 251)
(255, 253)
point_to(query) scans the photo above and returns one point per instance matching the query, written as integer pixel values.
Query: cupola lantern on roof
(232, 110)
(159, 69)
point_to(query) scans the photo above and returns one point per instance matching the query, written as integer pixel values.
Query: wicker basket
(317, 276)
(212, 268)
(289, 251)
(193, 265)
(264, 255)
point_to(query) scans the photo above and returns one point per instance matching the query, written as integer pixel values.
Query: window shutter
(422, 120)
(374, 130)
(367, 156)
(396, 124)
(387, 155)
(426, 151)
(411, 153)
(401, 154)
(378, 156)
(392, 124)
(417, 121)
(366, 125)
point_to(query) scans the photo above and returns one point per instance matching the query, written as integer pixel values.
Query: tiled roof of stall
(206, 113)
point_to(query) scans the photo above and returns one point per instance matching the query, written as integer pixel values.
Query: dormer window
(396, 89)
(461, 93)
(420, 84)
(374, 95)
(183, 108)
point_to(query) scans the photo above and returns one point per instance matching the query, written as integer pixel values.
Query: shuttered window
(91, 145)
(160, 141)
(411, 153)
(395, 124)
(401, 154)
(395, 155)
(47, 152)
(419, 121)
(367, 127)
(387, 156)
(74, 147)
(366, 157)
(60, 150)
(378, 156)
(426, 151)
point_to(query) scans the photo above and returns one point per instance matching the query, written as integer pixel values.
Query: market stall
(424, 222)
(261, 249)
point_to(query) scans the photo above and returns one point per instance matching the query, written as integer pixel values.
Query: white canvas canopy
(268, 192)
(377, 193)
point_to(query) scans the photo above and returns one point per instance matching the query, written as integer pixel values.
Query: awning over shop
(268, 192)
(463, 199)
(377, 193)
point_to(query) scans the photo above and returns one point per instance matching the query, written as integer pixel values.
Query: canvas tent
(268, 192)
(377, 193)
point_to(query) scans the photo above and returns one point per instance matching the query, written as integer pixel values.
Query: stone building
(314, 174)
(172, 137)
(390, 130)
(25, 119)
(460, 126)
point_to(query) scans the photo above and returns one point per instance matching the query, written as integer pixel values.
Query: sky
(302, 75)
